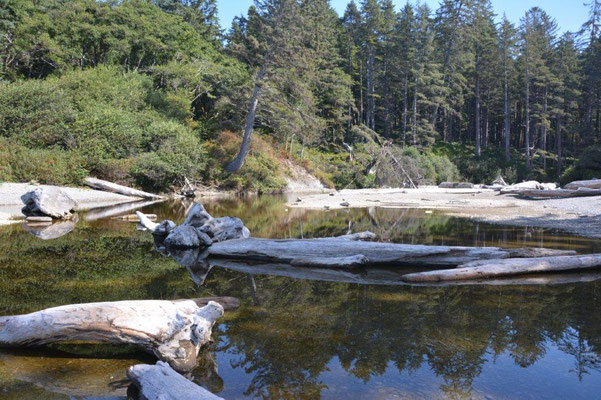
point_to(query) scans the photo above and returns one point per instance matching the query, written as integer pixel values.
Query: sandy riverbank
(581, 216)
(10, 199)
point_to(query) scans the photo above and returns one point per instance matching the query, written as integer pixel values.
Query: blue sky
(569, 14)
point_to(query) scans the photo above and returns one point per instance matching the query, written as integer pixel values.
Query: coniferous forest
(149, 92)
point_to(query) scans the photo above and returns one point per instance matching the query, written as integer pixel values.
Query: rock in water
(187, 237)
(164, 228)
(48, 200)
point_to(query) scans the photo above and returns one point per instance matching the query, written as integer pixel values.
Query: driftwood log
(174, 331)
(120, 189)
(161, 382)
(336, 253)
(508, 267)
(590, 184)
(558, 193)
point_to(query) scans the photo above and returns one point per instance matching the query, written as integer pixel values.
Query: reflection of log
(344, 253)
(105, 212)
(591, 184)
(115, 188)
(384, 276)
(74, 376)
(161, 382)
(558, 193)
(508, 267)
(172, 330)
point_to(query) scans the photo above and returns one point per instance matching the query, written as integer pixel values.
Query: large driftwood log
(174, 331)
(558, 193)
(161, 382)
(117, 209)
(115, 188)
(590, 184)
(338, 253)
(508, 267)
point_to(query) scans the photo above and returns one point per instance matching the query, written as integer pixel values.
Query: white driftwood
(161, 382)
(174, 331)
(338, 253)
(367, 236)
(508, 267)
(115, 188)
(590, 184)
(529, 185)
(146, 222)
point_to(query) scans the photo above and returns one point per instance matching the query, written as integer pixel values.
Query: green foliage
(587, 166)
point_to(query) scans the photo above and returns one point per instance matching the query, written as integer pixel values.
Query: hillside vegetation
(147, 92)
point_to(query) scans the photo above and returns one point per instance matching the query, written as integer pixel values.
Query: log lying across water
(161, 382)
(174, 331)
(120, 189)
(508, 267)
(336, 253)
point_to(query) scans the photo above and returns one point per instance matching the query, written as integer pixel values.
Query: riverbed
(313, 338)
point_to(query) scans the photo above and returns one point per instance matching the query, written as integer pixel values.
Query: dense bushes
(587, 166)
(98, 121)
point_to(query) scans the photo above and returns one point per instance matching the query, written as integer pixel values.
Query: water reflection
(322, 335)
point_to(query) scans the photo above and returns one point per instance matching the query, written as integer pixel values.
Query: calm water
(309, 338)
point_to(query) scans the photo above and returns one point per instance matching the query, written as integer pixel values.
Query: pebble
(345, 204)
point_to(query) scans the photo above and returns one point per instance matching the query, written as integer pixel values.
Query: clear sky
(569, 14)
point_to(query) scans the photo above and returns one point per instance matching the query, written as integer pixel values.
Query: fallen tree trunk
(508, 267)
(115, 188)
(161, 382)
(117, 209)
(590, 184)
(336, 253)
(558, 193)
(174, 331)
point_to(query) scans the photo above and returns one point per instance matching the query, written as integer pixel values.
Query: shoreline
(578, 215)
(10, 199)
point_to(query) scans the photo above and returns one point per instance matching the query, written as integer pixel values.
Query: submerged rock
(50, 201)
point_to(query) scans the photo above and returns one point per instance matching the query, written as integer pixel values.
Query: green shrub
(587, 166)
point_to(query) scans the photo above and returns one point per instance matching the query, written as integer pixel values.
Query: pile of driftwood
(174, 331)
(226, 238)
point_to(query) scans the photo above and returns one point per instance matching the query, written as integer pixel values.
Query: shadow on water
(356, 334)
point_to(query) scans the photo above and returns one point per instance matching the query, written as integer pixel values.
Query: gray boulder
(164, 228)
(187, 237)
(50, 201)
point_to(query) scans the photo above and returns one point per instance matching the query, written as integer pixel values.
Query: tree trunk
(371, 107)
(506, 120)
(544, 129)
(559, 148)
(405, 99)
(336, 253)
(477, 95)
(527, 112)
(238, 161)
(120, 189)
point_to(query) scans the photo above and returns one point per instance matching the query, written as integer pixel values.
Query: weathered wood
(367, 236)
(508, 267)
(559, 193)
(590, 184)
(115, 188)
(529, 185)
(456, 185)
(161, 382)
(174, 331)
(344, 254)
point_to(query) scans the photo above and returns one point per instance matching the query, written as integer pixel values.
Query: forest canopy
(148, 92)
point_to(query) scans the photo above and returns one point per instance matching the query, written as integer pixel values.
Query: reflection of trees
(301, 326)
